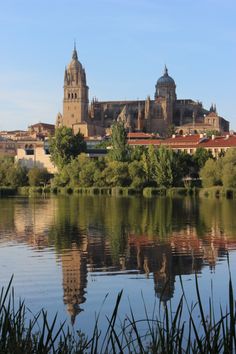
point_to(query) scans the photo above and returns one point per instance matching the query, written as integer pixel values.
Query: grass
(166, 331)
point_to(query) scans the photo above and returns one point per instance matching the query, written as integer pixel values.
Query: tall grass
(166, 331)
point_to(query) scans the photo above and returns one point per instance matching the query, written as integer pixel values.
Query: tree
(137, 174)
(182, 165)
(137, 152)
(38, 176)
(12, 174)
(120, 149)
(116, 174)
(229, 169)
(65, 146)
(17, 176)
(200, 157)
(230, 157)
(229, 176)
(210, 173)
(165, 176)
(149, 161)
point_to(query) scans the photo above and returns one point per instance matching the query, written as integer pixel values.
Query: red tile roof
(139, 135)
(189, 141)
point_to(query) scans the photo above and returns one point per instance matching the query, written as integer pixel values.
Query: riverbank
(212, 192)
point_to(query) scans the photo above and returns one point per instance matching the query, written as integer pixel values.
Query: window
(75, 95)
(46, 148)
(29, 149)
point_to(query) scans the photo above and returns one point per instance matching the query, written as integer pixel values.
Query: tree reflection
(159, 237)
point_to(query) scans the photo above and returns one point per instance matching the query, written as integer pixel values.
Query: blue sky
(123, 45)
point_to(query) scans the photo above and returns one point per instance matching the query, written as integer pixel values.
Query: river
(72, 255)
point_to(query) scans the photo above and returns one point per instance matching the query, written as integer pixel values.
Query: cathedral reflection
(74, 270)
(89, 239)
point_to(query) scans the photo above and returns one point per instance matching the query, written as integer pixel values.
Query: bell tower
(75, 102)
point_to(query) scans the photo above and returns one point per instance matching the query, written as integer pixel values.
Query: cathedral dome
(75, 65)
(165, 79)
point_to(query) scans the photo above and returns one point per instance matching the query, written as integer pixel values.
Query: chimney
(227, 136)
(213, 137)
(173, 136)
(201, 136)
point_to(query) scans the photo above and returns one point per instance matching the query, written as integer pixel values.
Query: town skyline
(123, 47)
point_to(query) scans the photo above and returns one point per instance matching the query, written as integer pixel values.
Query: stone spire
(165, 71)
(75, 55)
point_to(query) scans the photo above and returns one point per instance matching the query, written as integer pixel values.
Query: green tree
(200, 157)
(165, 177)
(12, 174)
(65, 146)
(229, 176)
(149, 161)
(116, 174)
(17, 176)
(86, 175)
(38, 176)
(229, 169)
(137, 174)
(182, 166)
(119, 146)
(210, 173)
(230, 157)
(136, 153)
(68, 175)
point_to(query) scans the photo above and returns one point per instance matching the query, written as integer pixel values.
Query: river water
(72, 255)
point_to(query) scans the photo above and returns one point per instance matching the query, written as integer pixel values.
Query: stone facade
(153, 116)
(34, 153)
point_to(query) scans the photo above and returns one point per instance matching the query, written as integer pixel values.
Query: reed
(165, 331)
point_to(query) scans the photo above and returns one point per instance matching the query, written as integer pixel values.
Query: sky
(123, 46)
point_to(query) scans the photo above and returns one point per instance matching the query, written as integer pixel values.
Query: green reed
(166, 331)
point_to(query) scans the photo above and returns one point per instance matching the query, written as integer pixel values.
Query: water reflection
(159, 238)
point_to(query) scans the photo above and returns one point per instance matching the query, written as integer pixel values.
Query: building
(150, 115)
(41, 130)
(7, 148)
(34, 153)
(190, 143)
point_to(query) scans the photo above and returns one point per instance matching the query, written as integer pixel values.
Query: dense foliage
(221, 171)
(120, 149)
(12, 174)
(38, 176)
(124, 166)
(65, 146)
(137, 167)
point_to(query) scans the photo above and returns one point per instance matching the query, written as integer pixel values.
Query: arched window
(68, 95)
(72, 96)
(75, 95)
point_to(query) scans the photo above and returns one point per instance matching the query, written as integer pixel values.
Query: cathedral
(158, 115)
